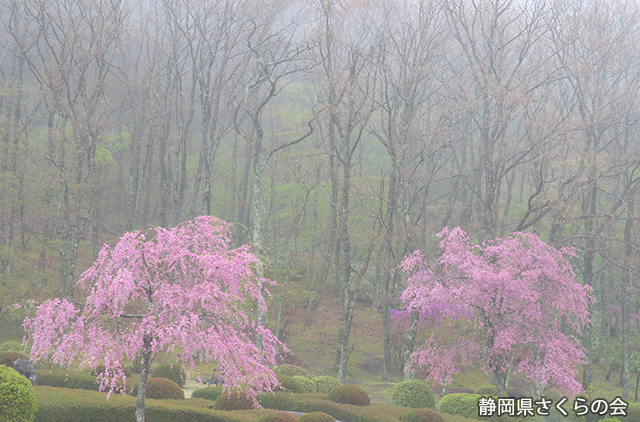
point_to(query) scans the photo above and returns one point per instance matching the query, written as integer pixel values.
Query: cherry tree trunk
(144, 376)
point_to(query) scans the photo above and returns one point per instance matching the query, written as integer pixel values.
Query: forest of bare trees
(337, 135)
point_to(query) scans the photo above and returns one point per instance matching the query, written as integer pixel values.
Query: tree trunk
(144, 375)
(624, 293)
(409, 343)
(587, 343)
(389, 272)
(348, 303)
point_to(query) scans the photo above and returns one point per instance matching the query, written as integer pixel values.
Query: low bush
(234, 400)
(161, 388)
(279, 417)
(67, 379)
(466, 405)
(487, 390)
(610, 420)
(344, 412)
(460, 404)
(325, 383)
(289, 384)
(292, 371)
(316, 417)
(7, 358)
(168, 371)
(422, 415)
(349, 394)
(207, 393)
(17, 397)
(307, 384)
(61, 404)
(413, 393)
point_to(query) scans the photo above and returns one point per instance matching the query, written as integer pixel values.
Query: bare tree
(602, 81)
(410, 131)
(70, 50)
(345, 84)
(276, 49)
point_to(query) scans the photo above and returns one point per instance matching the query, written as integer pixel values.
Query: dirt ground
(190, 386)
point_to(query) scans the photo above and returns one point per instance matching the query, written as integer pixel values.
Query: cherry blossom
(182, 291)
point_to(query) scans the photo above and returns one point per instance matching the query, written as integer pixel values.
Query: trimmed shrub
(325, 383)
(413, 393)
(207, 393)
(460, 404)
(288, 383)
(316, 417)
(7, 358)
(100, 369)
(349, 394)
(487, 390)
(292, 371)
(17, 397)
(279, 417)
(60, 404)
(11, 346)
(234, 400)
(161, 388)
(168, 371)
(421, 415)
(67, 379)
(307, 384)
(609, 420)
(344, 412)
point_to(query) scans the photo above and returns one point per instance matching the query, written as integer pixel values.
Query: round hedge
(172, 372)
(316, 417)
(487, 390)
(349, 394)
(421, 415)
(234, 400)
(278, 417)
(292, 371)
(7, 358)
(208, 393)
(413, 393)
(460, 404)
(162, 388)
(307, 384)
(325, 383)
(288, 383)
(17, 397)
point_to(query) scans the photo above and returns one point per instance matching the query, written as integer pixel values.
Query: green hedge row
(68, 405)
(66, 379)
(344, 412)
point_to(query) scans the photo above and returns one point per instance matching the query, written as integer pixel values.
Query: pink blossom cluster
(185, 287)
(517, 292)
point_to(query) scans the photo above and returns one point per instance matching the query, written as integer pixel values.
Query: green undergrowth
(69, 405)
(315, 402)
(69, 378)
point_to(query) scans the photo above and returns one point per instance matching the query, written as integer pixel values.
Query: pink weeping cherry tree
(512, 304)
(182, 291)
